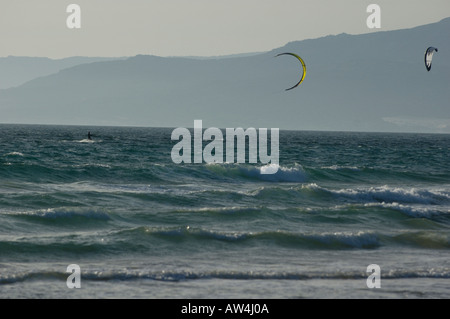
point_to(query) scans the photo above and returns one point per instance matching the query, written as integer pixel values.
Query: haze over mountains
(368, 82)
(16, 71)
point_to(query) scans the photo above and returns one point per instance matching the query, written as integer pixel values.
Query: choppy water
(140, 226)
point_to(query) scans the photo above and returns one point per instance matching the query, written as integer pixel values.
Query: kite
(429, 56)
(303, 64)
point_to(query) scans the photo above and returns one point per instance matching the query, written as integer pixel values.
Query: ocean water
(140, 226)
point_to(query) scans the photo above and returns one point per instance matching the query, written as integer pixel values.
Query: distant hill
(15, 71)
(368, 82)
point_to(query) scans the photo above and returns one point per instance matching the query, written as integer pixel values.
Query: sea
(347, 215)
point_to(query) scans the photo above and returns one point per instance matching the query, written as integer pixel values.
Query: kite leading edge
(303, 64)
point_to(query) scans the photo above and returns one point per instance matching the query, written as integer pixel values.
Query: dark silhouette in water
(89, 136)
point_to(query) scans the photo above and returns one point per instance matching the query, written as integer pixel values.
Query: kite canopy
(303, 65)
(429, 56)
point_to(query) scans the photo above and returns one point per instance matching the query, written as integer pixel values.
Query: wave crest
(295, 174)
(63, 213)
(183, 275)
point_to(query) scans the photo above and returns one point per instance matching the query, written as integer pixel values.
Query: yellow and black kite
(303, 64)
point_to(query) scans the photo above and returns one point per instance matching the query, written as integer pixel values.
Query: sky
(117, 28)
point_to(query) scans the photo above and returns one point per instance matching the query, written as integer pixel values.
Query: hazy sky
(193, 27)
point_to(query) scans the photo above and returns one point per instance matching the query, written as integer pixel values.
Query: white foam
(88, 141)
(53, 213)
(134, 273)
(269, 172)
(414, 210)
(92, 165)
(276, 173)
(358, 240)
(395, 195)
(15, 154)
(340, 168)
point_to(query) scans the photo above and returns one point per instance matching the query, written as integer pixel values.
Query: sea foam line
(295, 173)
(15, 154)
(426, 211)
(59, 213)
(184, 275)
(387, 194)
(314, 240)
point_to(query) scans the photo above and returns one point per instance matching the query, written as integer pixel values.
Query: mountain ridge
(366, 82)
(17, 70)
